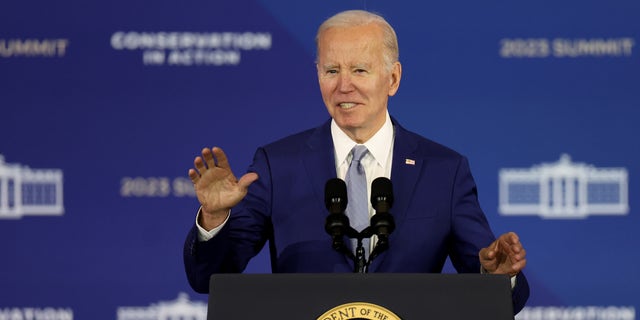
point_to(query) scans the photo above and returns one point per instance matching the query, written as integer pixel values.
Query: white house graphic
(564, 189)
(179, 309)
(26, 191)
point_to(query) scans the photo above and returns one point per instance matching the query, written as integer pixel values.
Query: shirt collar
(378, 145)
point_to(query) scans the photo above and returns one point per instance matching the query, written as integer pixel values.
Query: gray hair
(354, 18)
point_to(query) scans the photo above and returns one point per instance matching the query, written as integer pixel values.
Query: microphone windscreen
(381, 190)
(335, 192)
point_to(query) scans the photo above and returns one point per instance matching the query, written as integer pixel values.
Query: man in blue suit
(281, 198)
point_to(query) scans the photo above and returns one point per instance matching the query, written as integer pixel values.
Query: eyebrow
(329, 66)
(353, 66)
(362, 66)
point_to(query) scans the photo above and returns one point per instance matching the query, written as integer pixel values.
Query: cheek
(326, 85)
(327, 104)
(326, 89)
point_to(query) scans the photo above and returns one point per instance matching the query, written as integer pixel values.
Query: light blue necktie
(358, 206)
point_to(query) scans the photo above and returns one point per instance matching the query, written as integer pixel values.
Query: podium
(383, 296)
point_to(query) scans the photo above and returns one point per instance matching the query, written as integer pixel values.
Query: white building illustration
(179, 309)
(564, 189)
(26, 191)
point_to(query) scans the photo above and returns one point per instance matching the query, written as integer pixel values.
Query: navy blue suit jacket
(436, 211)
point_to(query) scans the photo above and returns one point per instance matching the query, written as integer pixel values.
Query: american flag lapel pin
(410, 162)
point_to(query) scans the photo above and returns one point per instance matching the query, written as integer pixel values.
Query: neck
(360, 136)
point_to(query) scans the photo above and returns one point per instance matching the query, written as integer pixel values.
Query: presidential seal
(358, 311)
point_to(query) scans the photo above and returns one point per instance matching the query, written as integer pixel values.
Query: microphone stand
(360, 262)
(337, 223)
(340, 227)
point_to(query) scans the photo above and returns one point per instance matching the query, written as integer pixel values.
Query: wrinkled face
(354, 81)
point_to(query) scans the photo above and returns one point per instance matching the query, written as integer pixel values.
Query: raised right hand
(217, 188)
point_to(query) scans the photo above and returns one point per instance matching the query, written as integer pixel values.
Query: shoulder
(423, 147)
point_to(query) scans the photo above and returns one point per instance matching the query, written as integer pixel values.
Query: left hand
(504, 256)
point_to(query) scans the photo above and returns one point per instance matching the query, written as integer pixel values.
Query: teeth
(347, 105)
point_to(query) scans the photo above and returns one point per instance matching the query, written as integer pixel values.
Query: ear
(394, 81)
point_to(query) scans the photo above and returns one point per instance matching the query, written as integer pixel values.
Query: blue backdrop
(104, 105)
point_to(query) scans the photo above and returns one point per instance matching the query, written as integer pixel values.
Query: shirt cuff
(204, 235)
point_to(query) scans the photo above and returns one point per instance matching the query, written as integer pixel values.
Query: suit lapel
(405, 171)
(319, 160)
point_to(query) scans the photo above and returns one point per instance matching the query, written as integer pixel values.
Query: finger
(208, 157)
(518, 266)
(514, 248)
(194, 176)
(487, 253)
(512, 238)
(199, 164)
(488, 263)
(520, 255)
(494, 248)
(221, 158)
(517, 248)
(247, 179)
(484, 254)
(506, 245)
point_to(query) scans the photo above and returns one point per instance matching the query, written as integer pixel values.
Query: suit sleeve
(471, 231)
(244, 235)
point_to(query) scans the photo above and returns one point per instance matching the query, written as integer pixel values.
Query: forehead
(358, 42)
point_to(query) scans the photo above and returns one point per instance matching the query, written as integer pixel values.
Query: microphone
(382, 194)
(335, 195)
(335, 199)
(382, 222)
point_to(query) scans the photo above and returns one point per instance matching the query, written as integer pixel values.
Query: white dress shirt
(377, 162)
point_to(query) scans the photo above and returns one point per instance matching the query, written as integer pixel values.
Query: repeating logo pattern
(26, 191)
(180, 308)
(564, 189)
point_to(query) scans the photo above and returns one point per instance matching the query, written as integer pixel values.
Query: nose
(346, 83)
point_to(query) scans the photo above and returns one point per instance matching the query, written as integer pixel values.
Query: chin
(346, 122)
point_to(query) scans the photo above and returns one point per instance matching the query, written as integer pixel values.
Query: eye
(360, 71)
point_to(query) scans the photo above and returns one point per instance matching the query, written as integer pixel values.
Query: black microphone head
(381, 190)
(335, 195)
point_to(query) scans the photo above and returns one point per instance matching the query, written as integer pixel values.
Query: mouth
(346, 105)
